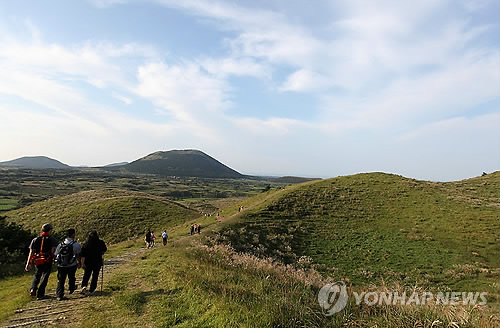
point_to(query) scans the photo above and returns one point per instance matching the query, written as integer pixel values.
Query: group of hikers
(150, 238)
(195, 228)
(69, 255)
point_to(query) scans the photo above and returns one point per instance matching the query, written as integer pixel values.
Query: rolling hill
(182, 163)
(373, 226)
(35, 162)
(117, 214)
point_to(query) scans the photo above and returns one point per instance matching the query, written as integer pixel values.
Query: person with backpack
(164, 235)
(92, 261)
(41, 256)
(68, 260)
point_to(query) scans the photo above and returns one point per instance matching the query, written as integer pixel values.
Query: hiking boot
(62, 298)
(39, 298)
(83, 291)
(32, 292)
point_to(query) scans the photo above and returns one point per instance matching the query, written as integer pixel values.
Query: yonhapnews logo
(333, 298)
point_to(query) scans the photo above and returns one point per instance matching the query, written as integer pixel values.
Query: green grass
(372, 226)
(8, 204)
(185, 285)
(116, 214)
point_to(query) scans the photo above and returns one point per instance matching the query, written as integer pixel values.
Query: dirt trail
(50, 312)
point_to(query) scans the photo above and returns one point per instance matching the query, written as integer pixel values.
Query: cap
(47, 227)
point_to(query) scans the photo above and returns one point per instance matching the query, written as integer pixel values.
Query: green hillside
(182, 163)
(117, 214)
(372, 226)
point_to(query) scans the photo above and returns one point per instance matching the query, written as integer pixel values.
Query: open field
(27, 186)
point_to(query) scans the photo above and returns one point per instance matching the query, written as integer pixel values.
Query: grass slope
(117, 214)
(376, 225)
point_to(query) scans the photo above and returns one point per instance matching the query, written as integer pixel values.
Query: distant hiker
(164, 235)
(41, 255)
(239, 209)
(68, 260)
(92, 261)
(192, 229)
(198, 228)
(153, 237)
(147, 239)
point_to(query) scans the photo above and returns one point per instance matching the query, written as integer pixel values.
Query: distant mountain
(183, 163)
(116, 164)
(35, 162)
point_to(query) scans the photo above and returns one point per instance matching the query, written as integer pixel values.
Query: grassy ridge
(117, 214)
(185, 285)
(371, 226)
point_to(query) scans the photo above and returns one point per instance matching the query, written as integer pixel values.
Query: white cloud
(305, 80)
(270, 127)
(195, 99)
(125, 100)
(235, 66)
(457, 127)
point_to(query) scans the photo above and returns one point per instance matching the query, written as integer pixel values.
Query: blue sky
(321, 88)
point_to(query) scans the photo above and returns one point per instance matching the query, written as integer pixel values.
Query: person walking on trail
(68, 260)
(147, 239)
(198, 228)
(192, 229)
(153, 238)
(164, 235)
(41, 256)
(92, 260)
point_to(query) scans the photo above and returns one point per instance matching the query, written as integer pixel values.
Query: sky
(275, 87)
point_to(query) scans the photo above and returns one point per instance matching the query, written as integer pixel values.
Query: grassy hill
(117, 214)
(182, 163)
(372, 226)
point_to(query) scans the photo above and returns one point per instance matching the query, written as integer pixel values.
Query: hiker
(192, 229)
(147, 239)
(92, 252)
(41, 255)
(153, 237)
(68, 260)
(164, 235)
(198, 229)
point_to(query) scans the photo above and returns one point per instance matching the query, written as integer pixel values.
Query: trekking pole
(102, 275)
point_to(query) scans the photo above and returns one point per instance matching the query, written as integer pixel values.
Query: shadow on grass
(134, 301)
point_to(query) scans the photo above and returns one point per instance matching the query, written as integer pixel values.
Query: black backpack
(66, 257)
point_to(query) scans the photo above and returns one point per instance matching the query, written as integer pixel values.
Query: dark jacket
(93, 252)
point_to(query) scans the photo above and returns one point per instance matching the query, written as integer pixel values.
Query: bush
(14, 247)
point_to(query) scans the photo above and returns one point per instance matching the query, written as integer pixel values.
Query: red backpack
(43, 254)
